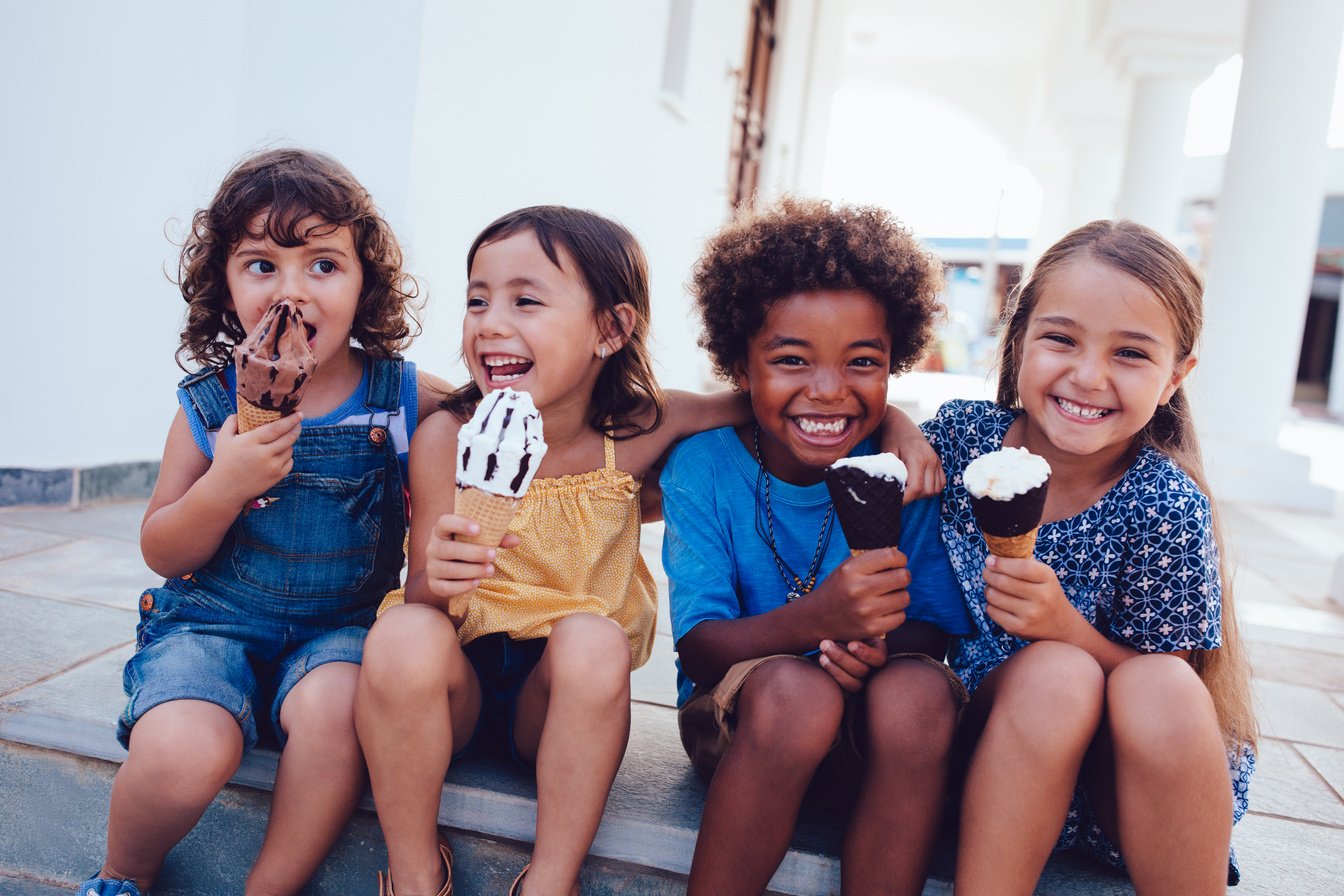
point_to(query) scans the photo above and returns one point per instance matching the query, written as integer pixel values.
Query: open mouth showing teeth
(832, 426)
(1086, 412)
(502, 369)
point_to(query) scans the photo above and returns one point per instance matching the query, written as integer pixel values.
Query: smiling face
(323, 277)
(1098, 355)
(530, 325)
(816, 373)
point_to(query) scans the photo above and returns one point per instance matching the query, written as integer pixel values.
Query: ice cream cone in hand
(868, 493)
(498, 452)
(1007, 490)
(274, 364)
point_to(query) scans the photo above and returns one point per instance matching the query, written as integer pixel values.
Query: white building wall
(120, 120)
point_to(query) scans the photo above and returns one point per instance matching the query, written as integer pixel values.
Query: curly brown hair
(800, 245)
(614, 269)
(279, 190)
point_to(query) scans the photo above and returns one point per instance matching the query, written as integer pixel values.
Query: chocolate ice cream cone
(250, 416)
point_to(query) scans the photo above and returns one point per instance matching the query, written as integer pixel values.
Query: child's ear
(741, 381)
(1178, 375)
(618, 325)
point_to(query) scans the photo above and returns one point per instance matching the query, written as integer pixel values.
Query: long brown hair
(612, 265)
(1145, 255)
(287, 187)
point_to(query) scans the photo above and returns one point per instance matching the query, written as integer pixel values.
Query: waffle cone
(1023, 545)
(250, 416)
(492, 512)
(854, 552)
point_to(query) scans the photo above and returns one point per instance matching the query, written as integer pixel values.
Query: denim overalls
(297, 578)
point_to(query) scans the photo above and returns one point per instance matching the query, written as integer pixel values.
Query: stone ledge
(74, 486)
(649, 827)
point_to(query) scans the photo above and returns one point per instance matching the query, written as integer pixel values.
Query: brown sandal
(445, 852)
(517, 888)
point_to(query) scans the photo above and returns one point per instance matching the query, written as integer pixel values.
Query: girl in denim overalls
(526, 652)
(276, 544)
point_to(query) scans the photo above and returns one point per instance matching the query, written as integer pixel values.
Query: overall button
(378, 435)
(147, 601)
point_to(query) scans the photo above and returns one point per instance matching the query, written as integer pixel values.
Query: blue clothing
(1141, 565)
(719, 567)
(297, 578)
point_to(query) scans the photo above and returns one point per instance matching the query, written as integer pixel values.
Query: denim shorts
(502, 666)
(192, 646)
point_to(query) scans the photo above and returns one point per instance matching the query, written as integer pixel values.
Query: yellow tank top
(579, 554)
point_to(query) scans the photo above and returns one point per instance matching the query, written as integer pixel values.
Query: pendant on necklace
(793, 596)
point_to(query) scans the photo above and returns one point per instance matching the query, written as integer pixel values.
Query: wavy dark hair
(1151, 259)
(613, 268)
(271, 195)
(800, 245)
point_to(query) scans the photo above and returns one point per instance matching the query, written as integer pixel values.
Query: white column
(1154, 168)
(1264, 244)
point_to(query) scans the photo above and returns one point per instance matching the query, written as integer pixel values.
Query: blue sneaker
(97, 886)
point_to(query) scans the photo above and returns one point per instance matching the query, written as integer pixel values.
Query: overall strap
(385, 385)
(210, 396)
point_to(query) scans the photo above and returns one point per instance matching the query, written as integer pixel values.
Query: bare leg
(574, 720)
(319, 783)
(182, 753)
(1035, 716)
(417, 702)
(911, 716)
(1164, 794)
(788, 713)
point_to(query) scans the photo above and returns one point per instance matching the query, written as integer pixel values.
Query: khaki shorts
(707, 720)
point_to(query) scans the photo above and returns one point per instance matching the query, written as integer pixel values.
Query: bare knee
(411, 653)
(788, 712)
(191, 747)
(590, 654)
(911, 711)
(1159, 710)
(1050, 690)
(322, 704)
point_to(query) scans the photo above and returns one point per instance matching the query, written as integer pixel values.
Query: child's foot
(99, 886)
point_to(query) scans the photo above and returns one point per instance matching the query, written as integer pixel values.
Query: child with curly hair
(806, 672)
(276, 543)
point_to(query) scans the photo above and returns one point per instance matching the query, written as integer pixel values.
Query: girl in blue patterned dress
(1110, 693)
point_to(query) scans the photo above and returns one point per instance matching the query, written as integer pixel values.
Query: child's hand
(849, 664)
(1024, 597)
(865, 596)
(902, 437)
(926, 478)
(454, 567)
(247, 464)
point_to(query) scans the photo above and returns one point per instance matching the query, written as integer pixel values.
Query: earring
(602, 352)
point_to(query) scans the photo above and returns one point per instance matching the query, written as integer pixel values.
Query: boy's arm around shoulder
(685, 414)
(196, 500)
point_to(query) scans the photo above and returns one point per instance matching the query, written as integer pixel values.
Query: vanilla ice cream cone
(1007, 489)
(1023, 545)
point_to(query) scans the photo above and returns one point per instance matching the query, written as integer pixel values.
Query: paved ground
(70, 580)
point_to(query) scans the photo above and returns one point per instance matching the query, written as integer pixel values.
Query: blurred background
(990, 128)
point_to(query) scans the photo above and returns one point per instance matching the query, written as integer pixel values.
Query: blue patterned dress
(1141, 565)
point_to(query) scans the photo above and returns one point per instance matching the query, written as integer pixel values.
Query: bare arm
(862, 598)
(195, 500)
(439, 567)
(430, 390)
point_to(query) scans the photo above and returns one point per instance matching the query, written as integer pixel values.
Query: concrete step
(57, 781)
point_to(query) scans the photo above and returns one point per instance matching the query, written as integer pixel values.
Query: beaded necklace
(797, 585)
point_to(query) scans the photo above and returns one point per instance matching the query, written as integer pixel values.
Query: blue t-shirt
(719, 567)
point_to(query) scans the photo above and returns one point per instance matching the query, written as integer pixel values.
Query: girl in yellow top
(537, 665)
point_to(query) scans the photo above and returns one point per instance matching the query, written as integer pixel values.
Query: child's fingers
(450, 525)
(872, 652)
(843, 677)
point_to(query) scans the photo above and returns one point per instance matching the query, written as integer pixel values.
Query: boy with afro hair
(805, 672)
